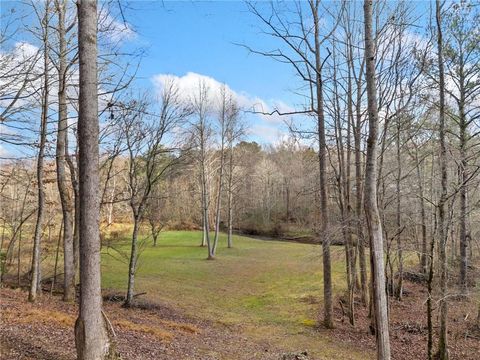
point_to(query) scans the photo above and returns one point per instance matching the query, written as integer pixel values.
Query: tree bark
(463, 176)
(358, 195)
(398, 216)
(61, 150)
(442, 228)
(91, 337)
(371, 210)
(230, 198)
(132, 267)
(36, 273)
(322, 163)
(220, 177)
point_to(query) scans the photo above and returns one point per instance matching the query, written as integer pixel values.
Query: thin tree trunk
(371, 209)
(322, 162)
(463, 178)
(358, 196)
(54, 280)
(91, 337)
(19, 257)
(423, 218)
(205, 203)
(36, 273)
(61, 149)
(132, 267)
(429, 299)
(230, 198)
(219, 201)
(399, 288)
(442, 228)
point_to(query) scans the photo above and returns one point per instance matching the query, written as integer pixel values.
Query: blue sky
(200, 37)
(203, 37)
(184, 37)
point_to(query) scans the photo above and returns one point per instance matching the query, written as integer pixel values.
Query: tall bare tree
(370, 193)
(61, 160)
(36, 273)
(91, 335)
(442, 216)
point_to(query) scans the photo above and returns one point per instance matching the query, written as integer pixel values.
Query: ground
(259, 300)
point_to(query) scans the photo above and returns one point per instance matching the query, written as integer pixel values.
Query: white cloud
(115, 30)
(268, 133)
(269, 127)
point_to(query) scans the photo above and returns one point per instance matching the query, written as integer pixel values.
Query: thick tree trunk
(442, 218)
(36, 274)
(61, 150)
(91, 337)
(371, 210)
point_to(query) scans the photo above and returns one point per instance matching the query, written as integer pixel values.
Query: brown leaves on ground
(408, 326)
(44, 331)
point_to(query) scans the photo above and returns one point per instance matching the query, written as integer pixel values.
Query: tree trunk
(423, 218)
(358, 198)
(442, 228)
(132, 267)
(322, 163)
(61, 150)
(205, 203)
(219, 200)
(19, 257)
(54, 279)
(230, 198)
(91, 337)
(463, 179)
(399, 288)
(371, 210)
(36, 274)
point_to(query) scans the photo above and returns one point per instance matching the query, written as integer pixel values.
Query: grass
(270, 290)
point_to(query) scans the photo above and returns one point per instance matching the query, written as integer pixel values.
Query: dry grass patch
(157, 332)
(188, 328)
(42, 316)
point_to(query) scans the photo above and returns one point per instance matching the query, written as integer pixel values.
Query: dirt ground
(44, 331)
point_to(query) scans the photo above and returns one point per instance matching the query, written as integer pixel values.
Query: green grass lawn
(265, 288)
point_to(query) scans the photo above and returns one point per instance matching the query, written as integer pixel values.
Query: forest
(306, 186)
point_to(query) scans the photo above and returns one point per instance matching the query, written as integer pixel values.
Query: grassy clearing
(270, 290)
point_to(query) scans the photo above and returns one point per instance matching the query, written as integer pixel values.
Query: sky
(194, 40)
(186, 38)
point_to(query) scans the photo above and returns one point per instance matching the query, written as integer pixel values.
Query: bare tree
(91, 336)
(227, 119)
(202, 134)
(149, 157)
(61, 157)
(36, 273)
(442, 218)
(371, 210)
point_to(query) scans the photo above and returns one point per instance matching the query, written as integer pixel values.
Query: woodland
(140, 224)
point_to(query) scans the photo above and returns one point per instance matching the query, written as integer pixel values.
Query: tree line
(381, 157)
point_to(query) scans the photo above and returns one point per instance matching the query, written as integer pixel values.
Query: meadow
(270, 291)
